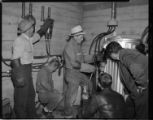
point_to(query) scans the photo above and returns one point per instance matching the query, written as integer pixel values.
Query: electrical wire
(96, 43)
(99, 37)
(4, 61)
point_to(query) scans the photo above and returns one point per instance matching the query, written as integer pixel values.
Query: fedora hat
(77, 30)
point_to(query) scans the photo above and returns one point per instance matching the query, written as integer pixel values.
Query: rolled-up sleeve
(18, 48)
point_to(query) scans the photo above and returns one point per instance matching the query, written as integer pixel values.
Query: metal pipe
(23, 10)
(30, 8)
(49, 12)
(42, 13)
(113, 10)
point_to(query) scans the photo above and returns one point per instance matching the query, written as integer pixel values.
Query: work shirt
(137, 65)
(23, 48)
(73, 54)
(44, 81)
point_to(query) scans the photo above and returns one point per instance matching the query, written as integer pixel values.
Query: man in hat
(74, 66)
(24, 93)
(133, 67)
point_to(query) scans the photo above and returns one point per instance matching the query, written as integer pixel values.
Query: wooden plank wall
(65, 14)
(132, 18)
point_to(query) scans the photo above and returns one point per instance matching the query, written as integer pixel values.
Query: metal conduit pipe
(23, 10)
(99, 41)
(49, 12)
(30, 8)
(113, 10)
(42, 13)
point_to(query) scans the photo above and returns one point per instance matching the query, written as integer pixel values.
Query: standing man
(45, 88)
(24, 93)
(74, 66)
(133, 68)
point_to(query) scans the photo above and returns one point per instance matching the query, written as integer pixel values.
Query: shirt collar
(26, 36)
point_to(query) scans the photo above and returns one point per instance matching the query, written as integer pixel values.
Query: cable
(4, 61)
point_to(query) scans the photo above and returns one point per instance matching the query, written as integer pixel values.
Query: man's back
(44, 81)
(108, 103)
(111, 104)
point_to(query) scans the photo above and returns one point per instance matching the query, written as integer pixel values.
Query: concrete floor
(57, 113)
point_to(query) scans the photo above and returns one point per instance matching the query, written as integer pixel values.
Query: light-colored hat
(77, 30)
(26, 23)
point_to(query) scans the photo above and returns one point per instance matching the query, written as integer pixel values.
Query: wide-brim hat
(77, 30)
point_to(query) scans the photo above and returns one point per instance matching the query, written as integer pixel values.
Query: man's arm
(127, 79)
(42, 31)
(137, 65)
(36, 38)
(139, 74)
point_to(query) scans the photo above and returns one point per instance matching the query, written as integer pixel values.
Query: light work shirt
(73, 54)
(23, 48)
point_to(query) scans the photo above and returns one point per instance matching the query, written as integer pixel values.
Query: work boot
(67, 115)
(48, 114)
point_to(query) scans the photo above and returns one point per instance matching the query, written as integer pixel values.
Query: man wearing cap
(22, 58)
(74, 66)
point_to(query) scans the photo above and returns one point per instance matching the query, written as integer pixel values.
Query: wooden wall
(132, 18)
(65, 14)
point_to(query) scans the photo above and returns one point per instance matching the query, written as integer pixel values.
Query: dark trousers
(24, 97)
(130, 108)
(141, 105)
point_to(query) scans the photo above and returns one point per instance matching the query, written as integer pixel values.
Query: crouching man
(47, 95)
(107, 103)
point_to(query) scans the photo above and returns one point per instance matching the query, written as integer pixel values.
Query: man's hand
(47, 24)
(87, 68)
(126, 96)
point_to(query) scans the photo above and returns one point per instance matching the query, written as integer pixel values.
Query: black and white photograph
(75, 60)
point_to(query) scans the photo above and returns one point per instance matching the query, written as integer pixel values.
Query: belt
(141, 89)
(71, 69)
